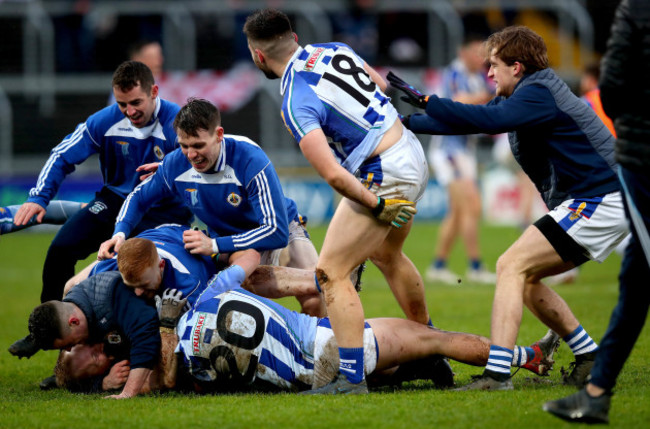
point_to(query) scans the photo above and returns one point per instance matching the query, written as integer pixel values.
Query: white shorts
(326, 353)
(404, 169)
(597, 224)
(296, 232)
(450, 166)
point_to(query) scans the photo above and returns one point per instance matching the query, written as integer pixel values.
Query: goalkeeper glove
(395, 212)
(413, 96)
(172, 307)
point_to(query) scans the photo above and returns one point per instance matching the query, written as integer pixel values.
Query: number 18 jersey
(325, 86)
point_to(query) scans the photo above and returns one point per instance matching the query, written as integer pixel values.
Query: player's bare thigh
(352, 236)
(532, 255)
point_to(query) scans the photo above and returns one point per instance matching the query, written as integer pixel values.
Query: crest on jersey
(367, 182)
(234, 199)
(125, 148)
(158, 152)
(313, 59)
(191, 196)
(196, 334)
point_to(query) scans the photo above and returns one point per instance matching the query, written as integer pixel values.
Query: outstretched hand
(413, 96)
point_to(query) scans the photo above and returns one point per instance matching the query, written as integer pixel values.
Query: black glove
(413, 96)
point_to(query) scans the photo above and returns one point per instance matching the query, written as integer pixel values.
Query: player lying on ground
(233, 339)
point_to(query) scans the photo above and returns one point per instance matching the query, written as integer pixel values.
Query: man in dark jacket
(626, 67)
(567, 152)
(95, 307)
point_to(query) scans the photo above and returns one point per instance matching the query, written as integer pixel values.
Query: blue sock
(475, 264)
(351, 364)
(580, 342)
(439, 263)
(500, 360)
(430, 323)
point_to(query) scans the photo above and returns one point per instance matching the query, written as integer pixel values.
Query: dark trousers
(630, 313)
(84, 232)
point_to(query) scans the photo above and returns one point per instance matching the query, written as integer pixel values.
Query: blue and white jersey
(325, 86)
(121, 148)
(241, 201)
(240, 337)
(183, 271)
(457, 79)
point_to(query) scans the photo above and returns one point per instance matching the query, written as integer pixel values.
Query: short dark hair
(197, 114)
(519, 44)
(135, 48)
(130, 74)
(45, 325)
(266, 25)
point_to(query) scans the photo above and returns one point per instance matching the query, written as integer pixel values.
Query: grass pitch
(465, 307)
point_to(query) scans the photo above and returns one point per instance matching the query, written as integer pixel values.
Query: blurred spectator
(591, 94)
(453, 159)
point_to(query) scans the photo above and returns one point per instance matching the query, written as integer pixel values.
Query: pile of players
(216, 328)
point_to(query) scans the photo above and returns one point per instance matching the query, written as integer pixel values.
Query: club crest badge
(234, 199)
(191, 196)
(158, 152)
(125, 148)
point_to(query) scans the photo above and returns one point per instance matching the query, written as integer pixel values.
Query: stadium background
(58, 55)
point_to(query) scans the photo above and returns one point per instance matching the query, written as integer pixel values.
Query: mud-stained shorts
(326, 353)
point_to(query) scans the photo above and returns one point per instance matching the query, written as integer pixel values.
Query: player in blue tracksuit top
(230, 184)
(567, 152)
(233, 188)
(240, 201)
(135, 131)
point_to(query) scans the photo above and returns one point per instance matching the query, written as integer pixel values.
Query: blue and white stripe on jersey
(326, 86)
(256, 331)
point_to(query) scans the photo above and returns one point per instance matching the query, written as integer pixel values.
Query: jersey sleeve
(532, 105)
(73, 150)
(150, 191)
(224, 281)
(267, 201)
(302, 109)
(139, 322)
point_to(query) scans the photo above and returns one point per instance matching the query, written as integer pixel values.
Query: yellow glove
(395, 212)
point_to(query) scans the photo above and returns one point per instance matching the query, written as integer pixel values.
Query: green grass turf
(465, 307)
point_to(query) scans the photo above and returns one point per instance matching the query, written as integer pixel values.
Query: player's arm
(73, 150)
(267, 201)
(315, 148)
(137, 203)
